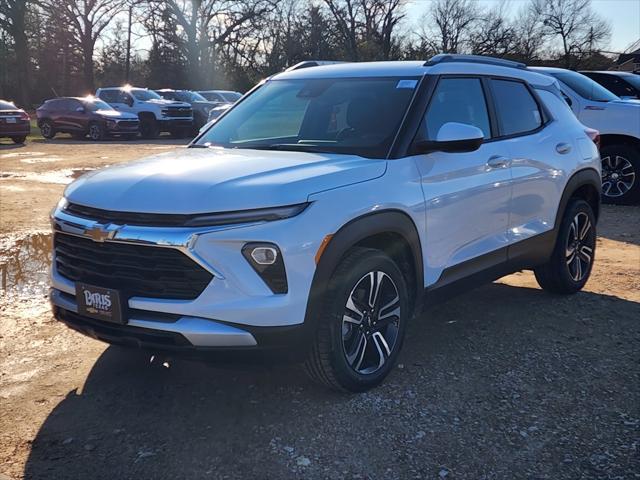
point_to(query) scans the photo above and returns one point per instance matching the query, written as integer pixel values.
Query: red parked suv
(85, 116)
(14, 122)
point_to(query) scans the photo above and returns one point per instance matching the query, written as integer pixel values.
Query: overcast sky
(624, 16)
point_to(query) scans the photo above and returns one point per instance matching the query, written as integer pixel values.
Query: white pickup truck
(618, 122)
(156, 114)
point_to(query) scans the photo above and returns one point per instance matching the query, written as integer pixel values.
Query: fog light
(264, 255)
(266, 260)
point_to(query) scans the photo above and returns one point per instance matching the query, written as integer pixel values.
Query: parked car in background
(14, 122)
(221, 96)
(219, 110)
(625, 85)
(200, 105)
(82, 116)
(156, 114)
(618, 122)
(319, 214)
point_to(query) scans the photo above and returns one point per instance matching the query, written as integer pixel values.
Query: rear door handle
(498, 161)
(563, 148)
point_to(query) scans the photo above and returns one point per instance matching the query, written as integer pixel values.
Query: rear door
(538, 148)
(467, 194)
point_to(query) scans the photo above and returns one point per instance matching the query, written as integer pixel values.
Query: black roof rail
(311, 63)
(454, 57)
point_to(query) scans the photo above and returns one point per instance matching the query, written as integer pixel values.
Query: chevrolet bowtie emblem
(100, 233)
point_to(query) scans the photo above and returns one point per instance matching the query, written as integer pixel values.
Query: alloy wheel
(46, 129)
(94, 132)
(580, 247)
(618, 176)
(370, 322)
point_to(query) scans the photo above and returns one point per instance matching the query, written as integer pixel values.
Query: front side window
(516, 108)
(346, 115)
(459, 100)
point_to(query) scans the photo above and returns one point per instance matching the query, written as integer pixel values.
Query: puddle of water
(24, 266)
(61, 177)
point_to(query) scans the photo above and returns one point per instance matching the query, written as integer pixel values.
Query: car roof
(123, 88)
(412, 69)
(609, 72)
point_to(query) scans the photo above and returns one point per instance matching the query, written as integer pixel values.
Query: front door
(467, 195)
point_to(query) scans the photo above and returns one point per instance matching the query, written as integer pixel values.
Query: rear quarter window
(517, 110)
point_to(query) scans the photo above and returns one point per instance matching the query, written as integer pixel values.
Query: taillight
(25, 116)
(594, 135)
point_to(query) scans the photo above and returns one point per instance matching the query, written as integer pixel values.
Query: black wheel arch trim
(350, 234)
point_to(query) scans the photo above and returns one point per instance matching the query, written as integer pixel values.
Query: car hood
(198, 180)
(116, 115)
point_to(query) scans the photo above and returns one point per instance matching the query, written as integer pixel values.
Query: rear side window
(109, 96)
(458, 100)
(517, 110)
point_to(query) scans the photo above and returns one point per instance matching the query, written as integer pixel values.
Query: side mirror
(80, 109)
(453, 137)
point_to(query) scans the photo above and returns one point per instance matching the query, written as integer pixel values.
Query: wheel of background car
(47, 130)
(19, 140)
(362, 322)
(149, 128)
(96, 132)
(620, 174)
(569, 267)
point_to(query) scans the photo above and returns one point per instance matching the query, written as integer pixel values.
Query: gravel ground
(504, 382)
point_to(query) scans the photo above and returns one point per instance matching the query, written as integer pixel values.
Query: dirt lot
(504, 382)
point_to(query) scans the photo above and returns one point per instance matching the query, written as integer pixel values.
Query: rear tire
(149, 128)
(19, 140)
(620, 174)
(359, 335)
(47, 130)
(569, 267)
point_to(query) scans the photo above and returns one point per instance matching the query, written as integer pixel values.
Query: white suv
(155, 113)
(618, 122)
(318, 214)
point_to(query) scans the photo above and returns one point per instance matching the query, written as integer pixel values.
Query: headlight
(111, 123)
(266, 260)
(246, 216)
(62, 204)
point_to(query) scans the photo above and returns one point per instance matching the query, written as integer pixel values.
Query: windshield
(94, 105)
(347, 115)
(144, 95)
(193, 97)
(231, 96)
(585, 87)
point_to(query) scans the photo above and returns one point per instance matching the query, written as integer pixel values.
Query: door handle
(498, 161)
(563, 148)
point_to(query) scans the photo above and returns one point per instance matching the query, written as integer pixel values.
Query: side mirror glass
(453, 137)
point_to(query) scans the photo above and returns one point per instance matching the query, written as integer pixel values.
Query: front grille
(179, 112)
(135, 270)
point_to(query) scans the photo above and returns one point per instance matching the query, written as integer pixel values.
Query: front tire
(569, 267)
(96, 132)
(19, 140)
(149, 128)
(620, 174)
(362, 324)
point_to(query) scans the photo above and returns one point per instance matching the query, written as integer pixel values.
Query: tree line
(68, 47)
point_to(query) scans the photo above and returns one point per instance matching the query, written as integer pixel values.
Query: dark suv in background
(14, 122)
(626, 85)
(85, 116)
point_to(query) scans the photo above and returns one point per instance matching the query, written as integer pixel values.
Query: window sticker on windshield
(407, 84)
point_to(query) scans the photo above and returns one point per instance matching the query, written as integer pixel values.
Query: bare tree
(347, 14)
(448, 24)
(207, 24)
(529, 35)
(579, 29)
(13, 20)
(493, 33)
(86, 20)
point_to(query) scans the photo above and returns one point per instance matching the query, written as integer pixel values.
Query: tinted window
(212, 96)
(458, 100)
(584, 86)
(517, 110)
(109, 96)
